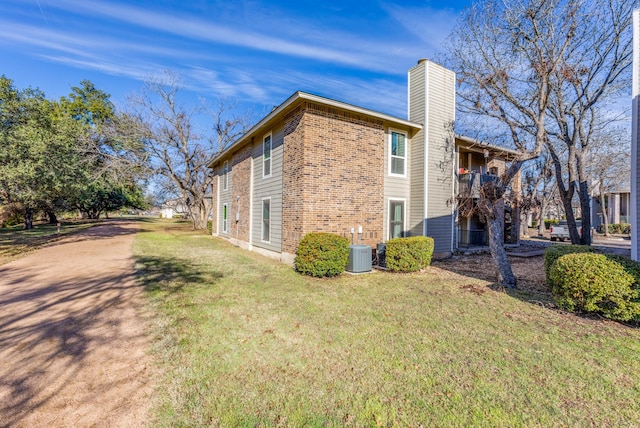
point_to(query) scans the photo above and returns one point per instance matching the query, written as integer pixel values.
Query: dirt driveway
(73, 334)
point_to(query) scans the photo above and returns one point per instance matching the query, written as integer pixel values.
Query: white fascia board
(304, 96)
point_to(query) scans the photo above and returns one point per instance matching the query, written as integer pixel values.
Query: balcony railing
(472, 238)
(471, 182)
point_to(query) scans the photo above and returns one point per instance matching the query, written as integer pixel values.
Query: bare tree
(594, 72)
(609, 165)
(545, 191)
(518, 65)
(177, 151)
(505, 56)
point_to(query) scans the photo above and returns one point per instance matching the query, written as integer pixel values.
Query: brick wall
(292, 177)
(333, 174)
(241, 167)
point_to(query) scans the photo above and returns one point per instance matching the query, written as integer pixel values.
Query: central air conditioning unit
(359, 259)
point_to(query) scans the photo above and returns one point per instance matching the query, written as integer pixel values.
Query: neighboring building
(316, 164)
(173, 208)
(618, 203)
(478, 163)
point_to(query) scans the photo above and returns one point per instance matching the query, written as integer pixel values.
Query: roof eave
(482, 144)
(304, 96)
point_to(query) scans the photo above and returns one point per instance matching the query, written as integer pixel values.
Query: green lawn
(245, 341)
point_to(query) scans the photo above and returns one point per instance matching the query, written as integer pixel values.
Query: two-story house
(317, 164)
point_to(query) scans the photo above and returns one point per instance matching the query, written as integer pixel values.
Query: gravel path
(73, 334)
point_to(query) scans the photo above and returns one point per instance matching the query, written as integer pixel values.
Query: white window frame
(391, 156)
(225, 175)
(268, 240)
(225, 218)
(404, 216)
(269, 159)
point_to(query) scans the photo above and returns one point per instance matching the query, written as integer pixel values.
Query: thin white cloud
(136, 72)
(213, 32)
(83, 45)
(430, 25)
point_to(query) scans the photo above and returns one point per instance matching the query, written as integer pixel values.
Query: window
(396, 219)
(266, 156)
(398, 154)
(224, 218)
(225, 176)
(266, 220)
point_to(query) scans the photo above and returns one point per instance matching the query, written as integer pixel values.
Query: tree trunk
(541, 218)
(496, 244)
(28, 218)
(524, 223)
(53, 219)
(566, 194)
(199, 216)
(585, 207)
(605, 214)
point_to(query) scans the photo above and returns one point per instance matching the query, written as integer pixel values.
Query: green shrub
(630, 266)
(209, 226)
(322, 254)
(618, 228)
(554, 252)
(11, 215)
(409, 254)
(594, 283)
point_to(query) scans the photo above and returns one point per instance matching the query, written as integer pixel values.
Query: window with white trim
(224, 218)
(396, 219)
(398, 154)
(266, 220)
(225, 175)
(266, 156)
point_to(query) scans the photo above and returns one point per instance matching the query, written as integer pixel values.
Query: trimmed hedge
(595, 283)
(322, 254)
(554, 252)
(409, 254)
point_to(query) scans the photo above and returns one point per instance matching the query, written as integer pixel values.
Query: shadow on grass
(529, 272)
(171, 275)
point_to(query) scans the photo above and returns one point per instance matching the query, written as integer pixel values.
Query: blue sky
(255, 52)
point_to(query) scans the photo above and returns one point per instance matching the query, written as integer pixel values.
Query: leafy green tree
(113, 158)
(36, 150)
(78, 152)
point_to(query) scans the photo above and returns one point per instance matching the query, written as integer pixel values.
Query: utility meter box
(359, 259)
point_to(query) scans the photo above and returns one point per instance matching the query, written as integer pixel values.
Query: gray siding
(225, 198)
(432, 103)
(440, 167)
(269, 187)
(396, 188)
(417, 113)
